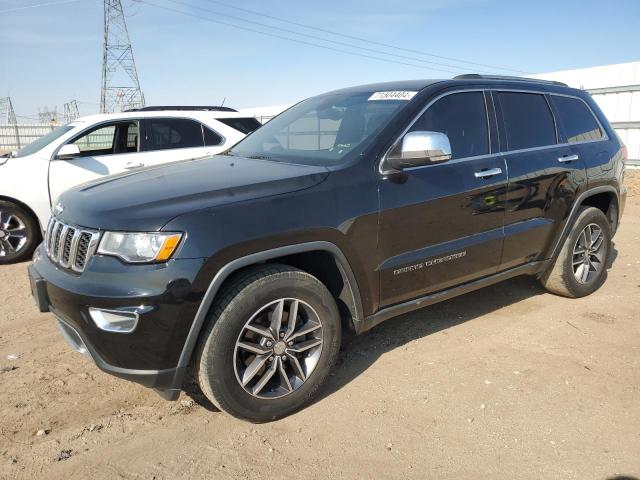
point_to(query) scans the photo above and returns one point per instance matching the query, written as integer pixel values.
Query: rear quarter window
(528, 121)
(243, 125)
(211, 137)
(577, 119)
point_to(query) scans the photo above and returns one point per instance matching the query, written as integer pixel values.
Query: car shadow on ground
(358, 353)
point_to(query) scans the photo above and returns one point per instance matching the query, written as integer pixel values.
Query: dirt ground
(505, 382)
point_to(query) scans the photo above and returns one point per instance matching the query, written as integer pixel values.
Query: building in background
(616, 89)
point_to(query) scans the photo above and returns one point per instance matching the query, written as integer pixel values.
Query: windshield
(323, 130)
(43, 141)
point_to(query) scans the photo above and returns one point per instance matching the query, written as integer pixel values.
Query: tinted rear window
(578, 121)
(211, 137)
(528, 122)
(244, 125)
(167, 133)
(463, 118)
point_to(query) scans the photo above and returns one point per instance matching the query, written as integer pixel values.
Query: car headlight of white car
(140, 247)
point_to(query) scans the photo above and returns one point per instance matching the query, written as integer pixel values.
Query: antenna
(71, 111)
(120, 84)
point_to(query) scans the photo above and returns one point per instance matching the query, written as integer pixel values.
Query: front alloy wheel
(278, 348)
(18, 233)
(269, 343)
(13, 234)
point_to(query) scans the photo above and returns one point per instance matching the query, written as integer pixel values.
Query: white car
(32, 178)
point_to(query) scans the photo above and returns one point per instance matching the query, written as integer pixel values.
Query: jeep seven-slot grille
(68, 246)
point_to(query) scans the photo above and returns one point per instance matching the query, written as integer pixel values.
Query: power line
(303, 42)
(361, 39)
(37, 5)
(322, 39)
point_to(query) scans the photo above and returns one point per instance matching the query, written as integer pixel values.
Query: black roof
(160, 108)
(476, 76)
(417, 85)
(401, 85)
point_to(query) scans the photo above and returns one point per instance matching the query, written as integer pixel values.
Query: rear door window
(168, 133)
(528, 121)
(577, 119)
(463, 118)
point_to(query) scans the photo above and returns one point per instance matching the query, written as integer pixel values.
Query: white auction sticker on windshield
(394, 95)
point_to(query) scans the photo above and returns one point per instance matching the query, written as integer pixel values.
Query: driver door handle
(568, 158)
(491, 172)
(131, 165)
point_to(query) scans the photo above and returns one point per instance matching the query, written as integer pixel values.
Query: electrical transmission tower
(8, 117)
(7, 114)
(71, 111)
(120, 85)
(48, 117)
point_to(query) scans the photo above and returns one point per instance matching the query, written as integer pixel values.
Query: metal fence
(14, 137)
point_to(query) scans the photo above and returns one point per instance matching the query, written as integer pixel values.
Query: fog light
(114, 320)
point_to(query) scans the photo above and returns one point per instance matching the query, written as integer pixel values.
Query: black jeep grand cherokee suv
(347, 209)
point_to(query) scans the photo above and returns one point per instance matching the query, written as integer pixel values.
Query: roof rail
(182, 107)
(476, 76)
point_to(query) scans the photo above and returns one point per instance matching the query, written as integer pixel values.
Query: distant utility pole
(8, 117)
(71, 111)
(120, 85)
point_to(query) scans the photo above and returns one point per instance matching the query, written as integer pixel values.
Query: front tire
(19, 233)
(269, 344)
(581, 266)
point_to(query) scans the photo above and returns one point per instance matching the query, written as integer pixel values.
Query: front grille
(68, 246)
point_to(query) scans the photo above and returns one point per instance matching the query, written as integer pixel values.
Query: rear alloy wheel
(18, 233)
(581, 266)
(588, 254)
(270, 341)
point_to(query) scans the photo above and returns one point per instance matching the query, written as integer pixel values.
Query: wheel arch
(307, 257)
(607, 202)
(601, 197)
(21, 204)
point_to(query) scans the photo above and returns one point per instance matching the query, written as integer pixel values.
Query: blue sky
(51, 54)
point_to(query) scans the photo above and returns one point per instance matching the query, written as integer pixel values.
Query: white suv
(32, 178)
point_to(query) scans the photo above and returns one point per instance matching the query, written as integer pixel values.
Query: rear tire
(19, 233)
(247, 363)
(581, 266)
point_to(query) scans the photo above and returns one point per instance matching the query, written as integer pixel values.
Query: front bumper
(149, 355)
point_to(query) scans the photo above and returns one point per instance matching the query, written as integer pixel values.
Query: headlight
(139, 247)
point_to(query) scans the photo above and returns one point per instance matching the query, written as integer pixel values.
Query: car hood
(147, 199)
